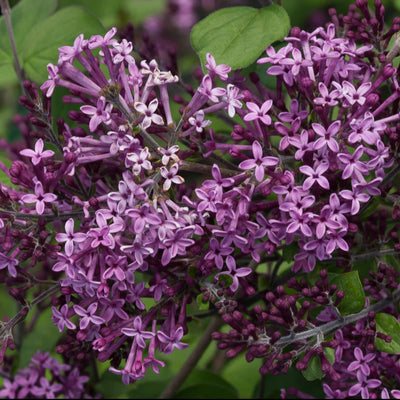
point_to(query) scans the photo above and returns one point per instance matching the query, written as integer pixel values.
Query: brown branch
(193, 359)
(5, 9)
(206, 169)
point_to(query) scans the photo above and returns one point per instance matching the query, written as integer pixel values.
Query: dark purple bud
(254, 77)
(295, 32)
(79, 131)
(353, 228)
(247, 95)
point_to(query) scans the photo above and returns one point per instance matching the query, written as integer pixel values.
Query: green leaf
(146, 389)
(227, 279)
(330, 354)
(203, 305)
(141, 9)
(7, 76)
(216, 386)
(236, 36)
(388, 325)
(242, 374)
(364, 265)
(61, 29)
(271, 388)
(25, 16)
(354, 296)
(4, 178)
(289, 251)
(313, 370)
(110, 386)
(205, 391)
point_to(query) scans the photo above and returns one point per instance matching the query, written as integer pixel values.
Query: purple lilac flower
(39, 198)
(172, 341)
(170, 176)
(149, 113)
(315, 176)
(234, 272)
(220, 70)
(137, 333)
(258, 113)
(68, 53)
(9, 263)
(60, 318)
(327, 99)
(327, 136)
(46, 389)
(361, 362)
(363, 385)
(206, 88)
(70, 237)
(216, 253)
(198, 121)
(37, 154)
(258, 162)
(99, 114)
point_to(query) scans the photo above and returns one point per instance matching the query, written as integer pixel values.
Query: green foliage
(313, 370)
(216, 387)
(242, 374)
(203, 305)
(44, 338)
(38, 34)
(389, 325)
(354, 298)
(111, 387)
(236, 36)
(4, 178)
(202, 391)
(363, 266)
(147, 389)
(25, 16)
(227, 279)
(274, 383)
(42, 46)
(289, 251)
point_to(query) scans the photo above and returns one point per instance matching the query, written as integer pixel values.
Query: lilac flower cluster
(116, 208)
(46, 378)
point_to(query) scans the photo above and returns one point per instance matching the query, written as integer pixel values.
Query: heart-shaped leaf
(388, 325)
(25, 16)
(354, 295)
(60, 29)
(236, 36)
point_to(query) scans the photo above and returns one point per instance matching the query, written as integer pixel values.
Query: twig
(47, 217)
(332, 326)
(206, 169)
(5, 9)
(6, 327)
(193, 359)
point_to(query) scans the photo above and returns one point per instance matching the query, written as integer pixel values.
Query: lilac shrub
(135, 209)
(33, 382)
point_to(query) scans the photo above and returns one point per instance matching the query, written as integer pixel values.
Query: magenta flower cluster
(151, 207)
(46, 378)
